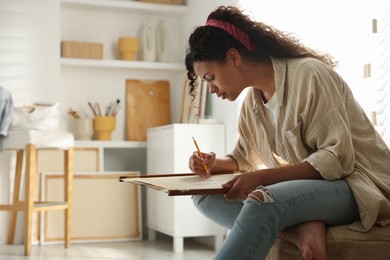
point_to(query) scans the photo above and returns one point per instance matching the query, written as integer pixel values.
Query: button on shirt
(319, 122)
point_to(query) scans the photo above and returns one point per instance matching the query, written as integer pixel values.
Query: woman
(324, 162)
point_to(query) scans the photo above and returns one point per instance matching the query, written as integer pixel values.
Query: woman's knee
(204, 203)
(218, 209)
(197, 200)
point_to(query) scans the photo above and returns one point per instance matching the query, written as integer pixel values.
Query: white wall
(45, 24)
(341, 28)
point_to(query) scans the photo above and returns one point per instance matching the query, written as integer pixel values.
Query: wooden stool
(342, 244)
(28, 141)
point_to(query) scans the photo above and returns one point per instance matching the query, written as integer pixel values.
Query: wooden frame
(179, 184)
(193, 108)
(103, 208)
(51, 160)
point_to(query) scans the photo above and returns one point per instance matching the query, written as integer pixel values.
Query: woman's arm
(225, 164)
(241, 186)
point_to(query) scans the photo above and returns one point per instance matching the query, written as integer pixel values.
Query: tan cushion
(343, 244)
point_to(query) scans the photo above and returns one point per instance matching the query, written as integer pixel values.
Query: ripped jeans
(256, 222)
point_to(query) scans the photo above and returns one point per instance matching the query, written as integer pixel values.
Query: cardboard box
(83, 50)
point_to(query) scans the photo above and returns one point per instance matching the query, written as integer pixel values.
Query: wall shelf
(167, 9)
(117, 64)
(111, 144)
(117, 155)
(104, 21)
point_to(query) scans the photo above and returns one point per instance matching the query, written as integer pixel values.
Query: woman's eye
(211, 78)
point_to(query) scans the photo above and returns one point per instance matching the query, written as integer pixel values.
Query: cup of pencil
(104, 126)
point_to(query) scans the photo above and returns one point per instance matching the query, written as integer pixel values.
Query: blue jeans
(255, 224)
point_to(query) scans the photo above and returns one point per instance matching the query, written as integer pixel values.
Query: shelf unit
(117, 155)
(176, 10)
(118, 64)
(111, 144)
(103, 80)
(130, 6)
(88, 80)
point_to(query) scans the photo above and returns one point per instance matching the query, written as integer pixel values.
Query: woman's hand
(240, 186)
(197, 164)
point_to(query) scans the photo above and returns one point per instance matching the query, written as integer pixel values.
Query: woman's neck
(261, 77)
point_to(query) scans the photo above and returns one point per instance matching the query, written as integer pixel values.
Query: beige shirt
(319, 122)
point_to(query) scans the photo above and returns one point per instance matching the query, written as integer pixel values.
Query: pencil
(200, 154)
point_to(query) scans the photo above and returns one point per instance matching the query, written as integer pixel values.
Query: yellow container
(128, 55)
(103, 127)
(128, 47)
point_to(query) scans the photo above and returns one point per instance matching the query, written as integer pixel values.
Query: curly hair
(208, 43)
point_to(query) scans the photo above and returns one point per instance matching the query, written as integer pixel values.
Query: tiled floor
(160, 249)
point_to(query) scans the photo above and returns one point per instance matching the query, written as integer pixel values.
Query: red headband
(234, 31)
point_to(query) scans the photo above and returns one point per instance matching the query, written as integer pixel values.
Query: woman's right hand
(197, 164)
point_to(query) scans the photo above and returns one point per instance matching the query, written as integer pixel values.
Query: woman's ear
(233, 56)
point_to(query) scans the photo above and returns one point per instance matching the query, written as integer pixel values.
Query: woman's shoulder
(321, 76)
(311, 68)
(307, 63)
(301, 67)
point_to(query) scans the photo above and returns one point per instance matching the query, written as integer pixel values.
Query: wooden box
(84, 50)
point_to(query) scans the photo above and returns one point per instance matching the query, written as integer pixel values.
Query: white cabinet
(168, 151)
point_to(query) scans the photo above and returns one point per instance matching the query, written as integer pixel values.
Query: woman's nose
(212, 88)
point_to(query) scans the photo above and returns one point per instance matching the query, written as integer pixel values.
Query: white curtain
(29, 69)
(379, 74)
(355, 33)
(15, 76)
(15, 48)
(30, 50)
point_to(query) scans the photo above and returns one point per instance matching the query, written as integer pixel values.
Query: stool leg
(31, 170)
(68, 182)
(15, 200)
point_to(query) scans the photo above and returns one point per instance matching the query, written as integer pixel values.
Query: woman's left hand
(240, 186)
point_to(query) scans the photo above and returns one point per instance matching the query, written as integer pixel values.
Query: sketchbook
(182, 183)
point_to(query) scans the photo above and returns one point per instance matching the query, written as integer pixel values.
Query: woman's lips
(222, 95)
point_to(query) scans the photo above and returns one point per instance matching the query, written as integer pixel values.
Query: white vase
(83, 129)
(148, 42)
(162, 41)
